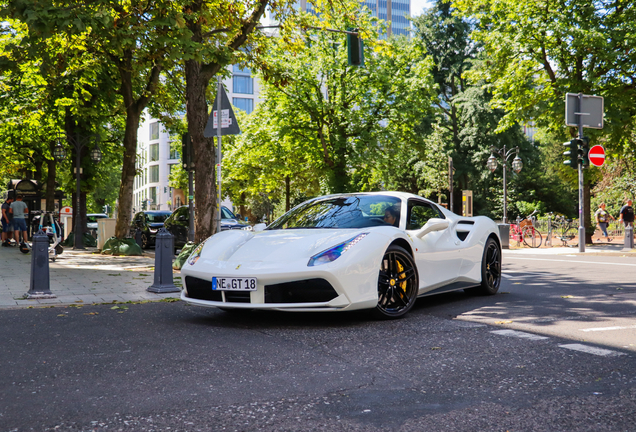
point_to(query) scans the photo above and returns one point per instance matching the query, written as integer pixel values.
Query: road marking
(607, 328)
(592, 350)
(571, 261)
(519, 334)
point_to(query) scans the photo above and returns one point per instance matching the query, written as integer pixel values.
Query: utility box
(467, 203)
(105, 230)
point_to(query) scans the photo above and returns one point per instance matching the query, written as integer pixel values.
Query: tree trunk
(50, 181)
(203, 150)
(128, 171)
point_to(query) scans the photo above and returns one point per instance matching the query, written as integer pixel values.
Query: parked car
(91, 222)
(148, 222)
(178, 222)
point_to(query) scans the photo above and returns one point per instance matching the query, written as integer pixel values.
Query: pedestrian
(602, 220)
(19, 210)
(7, 224)
(627, 214)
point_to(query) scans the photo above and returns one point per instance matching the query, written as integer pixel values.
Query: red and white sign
(66, 211)
(597, 155)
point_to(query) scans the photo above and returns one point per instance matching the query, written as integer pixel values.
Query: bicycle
(565, 231)
(524, 230)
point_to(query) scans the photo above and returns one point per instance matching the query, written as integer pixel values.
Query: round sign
(597, 155)
(66, 211)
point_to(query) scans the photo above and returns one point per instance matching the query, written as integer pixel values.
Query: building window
(154, 174)
(244, 104)
(175, 154)
(154, 152)
(154, 131)
(243, 84)
(153, 195)
(237, 70)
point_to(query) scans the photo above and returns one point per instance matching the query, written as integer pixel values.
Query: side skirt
(455, 286)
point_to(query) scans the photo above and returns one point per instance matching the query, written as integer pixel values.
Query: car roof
(97, 214)
(157, 212)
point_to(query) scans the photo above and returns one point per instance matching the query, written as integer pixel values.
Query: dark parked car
(148, 222)
(178, 222)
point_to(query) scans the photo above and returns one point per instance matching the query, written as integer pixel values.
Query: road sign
(591, 111)
(597, 155)
(229, 126)
(66, 211)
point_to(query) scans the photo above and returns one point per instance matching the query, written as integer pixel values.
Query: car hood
(155, 225)
(275, 245)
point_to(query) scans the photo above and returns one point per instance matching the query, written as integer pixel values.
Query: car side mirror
(259, 227)
(433, 224)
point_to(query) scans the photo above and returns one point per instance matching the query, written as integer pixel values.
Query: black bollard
(40, 282)
(164, 251)
(629, 237)
(138, 238)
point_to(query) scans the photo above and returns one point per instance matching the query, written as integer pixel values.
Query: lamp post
(59, 153)
(516, 166)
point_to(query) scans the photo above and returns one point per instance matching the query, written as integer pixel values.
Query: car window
(227, 214)
(347, 211)
(419, 213)
(157, 217)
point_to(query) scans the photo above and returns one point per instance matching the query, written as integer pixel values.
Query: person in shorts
(19, 210)
(627, 214)
(7, 224)
(602, 219)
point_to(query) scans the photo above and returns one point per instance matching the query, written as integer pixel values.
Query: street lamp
(59, 153)
(517, 165)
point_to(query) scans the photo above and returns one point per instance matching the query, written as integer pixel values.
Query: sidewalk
(80, 278)
(601, 249)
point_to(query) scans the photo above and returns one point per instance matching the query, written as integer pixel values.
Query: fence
(614, 229)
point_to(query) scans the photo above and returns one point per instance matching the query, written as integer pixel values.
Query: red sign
(597, 155)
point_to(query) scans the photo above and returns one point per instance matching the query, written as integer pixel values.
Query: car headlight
(196, 253)
(334, 253)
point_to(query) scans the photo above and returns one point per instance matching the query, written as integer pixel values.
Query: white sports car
(376, 251)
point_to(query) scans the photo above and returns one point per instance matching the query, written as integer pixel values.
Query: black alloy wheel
(490, 270)
(398, 284)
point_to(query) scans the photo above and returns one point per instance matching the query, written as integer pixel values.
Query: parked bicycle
(562, 228)
(524, 230)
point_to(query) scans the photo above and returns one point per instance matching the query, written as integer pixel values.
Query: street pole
(450, 183)
(580, 167)
(79, 244)
(219, 118)
(190, 203)
(504, 156)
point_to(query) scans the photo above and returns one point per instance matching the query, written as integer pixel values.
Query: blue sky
(417, 6)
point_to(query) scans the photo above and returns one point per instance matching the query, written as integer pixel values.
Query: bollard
(40, 282)
(504, 234)
(629, 237)
(138, 238)
(164, 251)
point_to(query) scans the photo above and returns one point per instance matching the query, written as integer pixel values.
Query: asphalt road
(518, 361)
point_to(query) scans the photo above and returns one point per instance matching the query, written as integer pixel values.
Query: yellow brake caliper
(401, 276)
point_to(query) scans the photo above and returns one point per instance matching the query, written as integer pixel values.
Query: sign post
(583, 111)
(221, 110)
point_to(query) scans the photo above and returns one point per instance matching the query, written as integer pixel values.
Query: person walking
(602, 220)
(7, 224)
(627, 214)
(19, 210)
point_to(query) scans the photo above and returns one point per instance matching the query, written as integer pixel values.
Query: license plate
(233, 284)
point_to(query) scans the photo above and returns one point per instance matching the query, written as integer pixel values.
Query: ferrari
(378, 251)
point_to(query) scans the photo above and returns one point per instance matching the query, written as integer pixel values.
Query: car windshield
(157, 217)
(93, 218)
(227, 214)
(351, 211)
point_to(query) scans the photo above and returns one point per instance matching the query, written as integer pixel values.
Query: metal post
(219, 121)
(504, 156)
(79, 243)
(40, 283)
(580, 166)
(190, 205)
(164, 252)
(450, 183)
(629, 238)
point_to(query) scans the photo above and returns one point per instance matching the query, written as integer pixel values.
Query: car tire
(490, 270)
(398, 284)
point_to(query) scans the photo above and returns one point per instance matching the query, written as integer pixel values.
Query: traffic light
(584, 151)
(355, 48)
(144, 205)
(572, 154)
(186, 152)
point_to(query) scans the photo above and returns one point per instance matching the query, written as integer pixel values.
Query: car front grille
(201, 289)
(303, 291)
